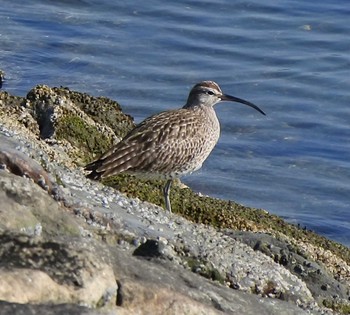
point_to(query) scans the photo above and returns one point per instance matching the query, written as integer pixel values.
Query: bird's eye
(210, 92)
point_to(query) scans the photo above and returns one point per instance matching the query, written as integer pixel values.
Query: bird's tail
(93, 167)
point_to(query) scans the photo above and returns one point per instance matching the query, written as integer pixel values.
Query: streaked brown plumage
(169, 144)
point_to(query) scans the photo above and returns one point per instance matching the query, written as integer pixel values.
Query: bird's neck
(203, 110)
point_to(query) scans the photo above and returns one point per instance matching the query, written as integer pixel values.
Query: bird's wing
(159, 144)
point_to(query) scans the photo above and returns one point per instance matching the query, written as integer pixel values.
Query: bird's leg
(166, 191)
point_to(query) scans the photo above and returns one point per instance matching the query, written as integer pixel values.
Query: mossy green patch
(200, 209)
(101, 109)
(87, 138)
(342, 308)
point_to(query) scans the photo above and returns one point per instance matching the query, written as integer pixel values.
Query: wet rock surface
(68, 241)
(319, 280)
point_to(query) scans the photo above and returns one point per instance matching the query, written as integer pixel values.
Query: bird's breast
(196, 139)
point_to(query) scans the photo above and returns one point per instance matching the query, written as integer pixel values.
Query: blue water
(292, 58)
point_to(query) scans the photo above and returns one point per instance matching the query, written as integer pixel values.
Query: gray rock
(313, 274)
(7, 308)
(28, 208)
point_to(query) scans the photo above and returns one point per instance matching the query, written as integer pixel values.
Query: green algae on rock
(88, 125)
(60, 114)
(102, 110)
(87, 137)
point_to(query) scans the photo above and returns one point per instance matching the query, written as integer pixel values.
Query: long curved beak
(225, 97)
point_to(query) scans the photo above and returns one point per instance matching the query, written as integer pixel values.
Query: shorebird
(169, 144)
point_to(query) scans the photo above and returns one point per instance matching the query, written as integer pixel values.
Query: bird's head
(208, 93)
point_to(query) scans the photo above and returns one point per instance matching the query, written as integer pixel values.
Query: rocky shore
(69, 245)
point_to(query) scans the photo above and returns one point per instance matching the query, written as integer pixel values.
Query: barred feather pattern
(166, 145)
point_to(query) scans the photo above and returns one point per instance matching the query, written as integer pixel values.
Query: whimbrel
(169, 144)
